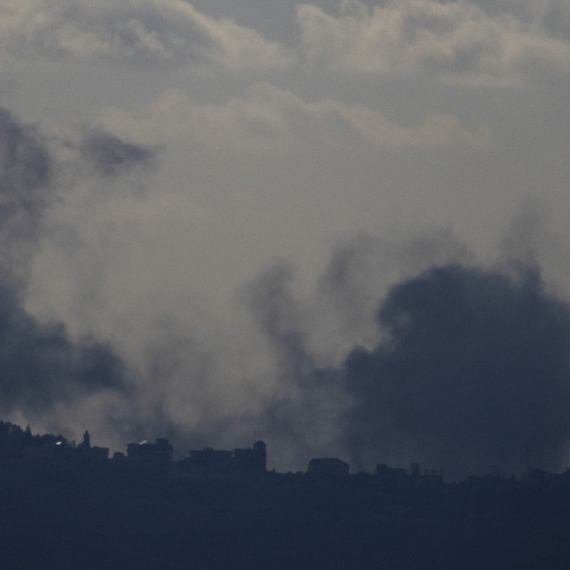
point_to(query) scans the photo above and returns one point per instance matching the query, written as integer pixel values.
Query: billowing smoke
(465, 369)
(40, 366)
(302, 416)
(472, 375)
(311, 411)
(468, 370)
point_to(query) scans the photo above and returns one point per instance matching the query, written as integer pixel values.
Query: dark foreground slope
(106, 522)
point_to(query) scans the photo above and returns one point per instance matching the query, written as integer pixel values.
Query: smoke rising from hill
(465, 368)
(40, 365)
(472, 374)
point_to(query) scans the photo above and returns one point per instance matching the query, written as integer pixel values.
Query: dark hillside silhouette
(63, 513)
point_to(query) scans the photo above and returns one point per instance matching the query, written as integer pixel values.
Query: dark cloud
(110, 156)
(473, 373)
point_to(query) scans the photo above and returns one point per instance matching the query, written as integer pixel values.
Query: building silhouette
(155, 457)
(329, 467)
(215, 462)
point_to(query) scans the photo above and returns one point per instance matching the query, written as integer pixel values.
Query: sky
(213, 213)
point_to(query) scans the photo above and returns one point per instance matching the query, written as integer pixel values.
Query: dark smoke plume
(39, 365)
(472, 375)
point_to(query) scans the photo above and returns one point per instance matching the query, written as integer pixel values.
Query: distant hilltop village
(20, 448)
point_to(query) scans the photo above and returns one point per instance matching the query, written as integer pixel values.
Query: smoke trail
(301, 416)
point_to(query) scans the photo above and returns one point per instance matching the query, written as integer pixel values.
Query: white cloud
(451, 39)
(270, 120)
(145, 32)
(470, 41)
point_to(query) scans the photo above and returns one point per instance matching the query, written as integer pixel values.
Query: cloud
(472, 370)
(458, 41)
(271, 120)
(141, 32)
(557, 19)
(474, 42)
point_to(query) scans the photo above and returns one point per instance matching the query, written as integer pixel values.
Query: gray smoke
(301, 416)
(465, 369)
(472, 375)
(26, 191)
(40, 366)
(309, 412)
